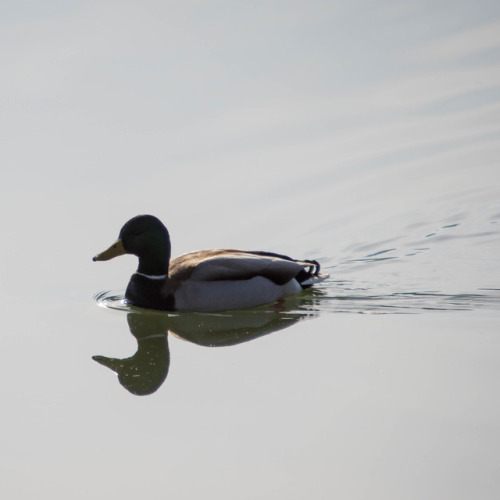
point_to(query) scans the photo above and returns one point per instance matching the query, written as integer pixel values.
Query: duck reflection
(145, 371)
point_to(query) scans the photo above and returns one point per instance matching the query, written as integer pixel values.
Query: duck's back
(215, 280)
(230, 264)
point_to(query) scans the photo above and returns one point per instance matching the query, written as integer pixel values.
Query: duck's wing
(223, 265)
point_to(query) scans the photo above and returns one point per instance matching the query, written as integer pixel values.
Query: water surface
(364, 135)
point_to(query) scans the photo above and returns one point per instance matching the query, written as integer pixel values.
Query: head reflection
(145, 371)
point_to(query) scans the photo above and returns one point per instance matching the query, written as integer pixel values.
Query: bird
(205, 280)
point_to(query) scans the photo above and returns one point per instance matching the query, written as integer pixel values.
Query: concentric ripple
(111, 299)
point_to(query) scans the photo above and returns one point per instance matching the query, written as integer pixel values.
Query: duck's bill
(114, 250)
(111, 363)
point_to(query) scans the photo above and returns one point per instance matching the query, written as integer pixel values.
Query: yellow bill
(114, 250)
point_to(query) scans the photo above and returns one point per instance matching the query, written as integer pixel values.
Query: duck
(205, 280)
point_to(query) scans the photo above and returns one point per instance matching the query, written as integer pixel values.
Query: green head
(146, 237)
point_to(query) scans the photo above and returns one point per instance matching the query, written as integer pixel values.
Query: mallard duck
(206, 280)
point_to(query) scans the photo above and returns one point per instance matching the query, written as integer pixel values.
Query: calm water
(366, 136)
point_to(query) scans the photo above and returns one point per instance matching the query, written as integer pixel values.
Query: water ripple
(112, 300)
(346, 297)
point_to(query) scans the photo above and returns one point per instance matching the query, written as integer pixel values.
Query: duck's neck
(153, 267)
(155, 262)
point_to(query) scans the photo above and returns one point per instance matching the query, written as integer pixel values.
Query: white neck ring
(153, 276)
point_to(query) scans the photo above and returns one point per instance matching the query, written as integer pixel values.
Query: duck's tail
(310, 275)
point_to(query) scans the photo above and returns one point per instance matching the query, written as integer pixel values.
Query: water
(365, 136)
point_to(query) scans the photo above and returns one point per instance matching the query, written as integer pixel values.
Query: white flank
(227, 295)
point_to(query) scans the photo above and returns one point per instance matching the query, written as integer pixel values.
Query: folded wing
(221, 265)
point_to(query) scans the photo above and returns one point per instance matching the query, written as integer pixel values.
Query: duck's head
(144, 236)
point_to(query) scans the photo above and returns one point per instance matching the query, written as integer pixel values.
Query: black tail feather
(305, 274)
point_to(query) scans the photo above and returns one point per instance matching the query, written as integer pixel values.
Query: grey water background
(364, 134)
